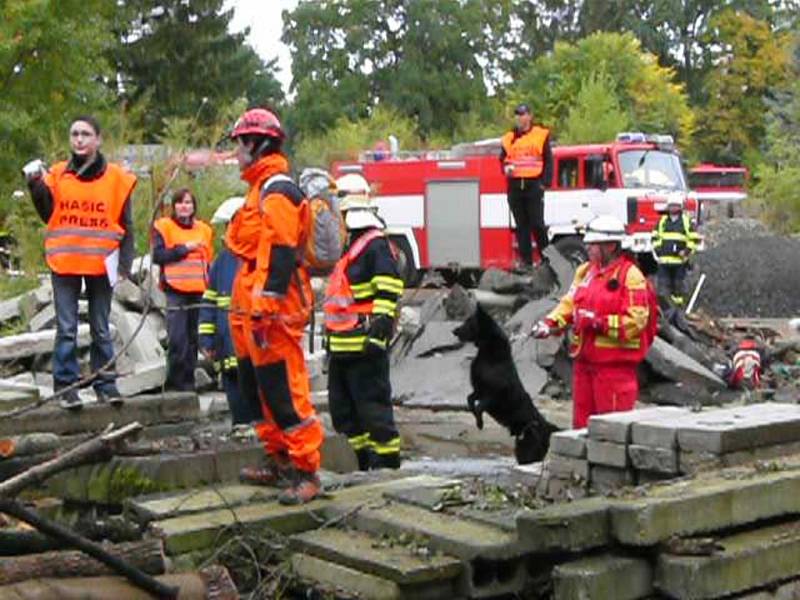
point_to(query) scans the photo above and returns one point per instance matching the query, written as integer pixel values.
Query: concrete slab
(658, 460)
(339, 580)
(703, 504)
(660, 431)
(46, 318)
(749, 560)
(436, 381)
(202, 530)
(606, 576)
(566, 527)
(147, 376)
(616, 427)
(567, 467)
(571, 442)
(669, 362)
(144, 346)
(739, 428)
(163, 506)
(607, 480)
(40, 342)
(607, 453)
(148, 410)
(389, 558)
(786, 591)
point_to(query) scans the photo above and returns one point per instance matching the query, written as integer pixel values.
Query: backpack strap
(283, 184)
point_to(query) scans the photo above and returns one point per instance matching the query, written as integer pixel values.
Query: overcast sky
(266, 27)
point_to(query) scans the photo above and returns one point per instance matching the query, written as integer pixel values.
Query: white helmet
(363, 218)
(675, 199)
(227, 209)
(353, 190)
(605, 228)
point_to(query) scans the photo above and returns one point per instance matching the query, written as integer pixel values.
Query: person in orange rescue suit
(182, 247)
(610, 307)
(360, 310)
(87, 207)
(270, 307)
(526, 160)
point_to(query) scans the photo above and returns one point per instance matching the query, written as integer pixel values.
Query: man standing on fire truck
(270, 305)
(360, 308)
(612, 313)
(527, 163)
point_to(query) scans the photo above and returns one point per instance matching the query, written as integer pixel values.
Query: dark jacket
(214, 330)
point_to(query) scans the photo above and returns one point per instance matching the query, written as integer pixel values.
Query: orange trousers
(270, 358)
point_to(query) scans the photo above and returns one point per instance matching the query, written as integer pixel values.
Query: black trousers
(526, 201)
(182, 322)
(671, 283)
(360, 399)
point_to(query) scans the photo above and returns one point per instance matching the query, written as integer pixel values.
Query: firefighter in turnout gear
(182, 247)
(675, 241)
(360, 310)
(527, 161)
(270, 305)
(215, 335)
(613, 314)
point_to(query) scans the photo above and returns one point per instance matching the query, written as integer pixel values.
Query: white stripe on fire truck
(402, 211)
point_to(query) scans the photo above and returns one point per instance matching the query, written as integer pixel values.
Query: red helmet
(258, 121)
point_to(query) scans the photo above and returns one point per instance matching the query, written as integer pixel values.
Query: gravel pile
(750, 276)
(721, 231)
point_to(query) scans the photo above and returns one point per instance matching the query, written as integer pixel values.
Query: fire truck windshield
(651, 168)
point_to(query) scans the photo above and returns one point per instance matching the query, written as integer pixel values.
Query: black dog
(497, 389)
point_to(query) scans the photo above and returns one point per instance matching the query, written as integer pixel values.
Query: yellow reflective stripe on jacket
(613, 326)
(604, 341)
(376, 342)
(210, 295)
(359, 442)
(207, 329)
(223, 301)
(229, 363)
(338, 343)
(382, 306)
(361, 290)
(387, 283)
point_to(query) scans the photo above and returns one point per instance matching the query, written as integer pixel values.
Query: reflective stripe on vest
(190, 274)
(341, 310)
(526, 153)
(85, 227)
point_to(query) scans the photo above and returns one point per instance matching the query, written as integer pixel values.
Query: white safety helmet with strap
(227, 209)
(353, 191)
(605, 228)
(363, 218)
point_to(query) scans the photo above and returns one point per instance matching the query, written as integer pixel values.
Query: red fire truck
(719, 187)
(448, 209)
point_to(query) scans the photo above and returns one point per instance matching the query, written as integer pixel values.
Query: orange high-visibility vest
(341, 309)
(190, 274)
(84, 227)
(526, 153)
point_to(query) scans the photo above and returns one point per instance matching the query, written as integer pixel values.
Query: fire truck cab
(448, 209)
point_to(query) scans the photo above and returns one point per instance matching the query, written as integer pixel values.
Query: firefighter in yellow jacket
(360, 309)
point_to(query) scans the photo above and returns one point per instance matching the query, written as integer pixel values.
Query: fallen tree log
(88, 451)
(146, 555)
(30, 443)
(140, 579)
(213, 583)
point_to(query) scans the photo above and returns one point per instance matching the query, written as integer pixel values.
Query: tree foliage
(654, 101)
(180, 60)
(750, 61)
(596, 115)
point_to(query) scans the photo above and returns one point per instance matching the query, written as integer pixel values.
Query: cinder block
(566, 467)
(606, 576)
(603, 479)
(571, 442)
(607, 453)
(659, 460)
(616, 427)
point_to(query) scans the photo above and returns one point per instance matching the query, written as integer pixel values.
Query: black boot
(385, 461)
(364, 457)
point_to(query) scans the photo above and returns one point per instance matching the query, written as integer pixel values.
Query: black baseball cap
(522, 109)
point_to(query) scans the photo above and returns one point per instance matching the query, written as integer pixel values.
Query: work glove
(587, 321)
(379, 334)
(508, 170)
(35, 169)
(541, 330)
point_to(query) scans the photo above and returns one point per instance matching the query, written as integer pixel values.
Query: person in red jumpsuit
(608, 308)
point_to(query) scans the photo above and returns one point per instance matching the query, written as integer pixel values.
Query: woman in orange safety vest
(182, 247)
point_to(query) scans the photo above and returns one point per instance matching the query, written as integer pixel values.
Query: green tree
(778, 177)
(750, 60)
(596, 115)
(654, 101)
(422, 57)
(179, 59)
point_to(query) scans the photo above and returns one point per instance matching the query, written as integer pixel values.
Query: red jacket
(620, 310)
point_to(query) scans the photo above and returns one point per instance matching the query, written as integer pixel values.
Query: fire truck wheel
(572, 248)
(405, 262)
